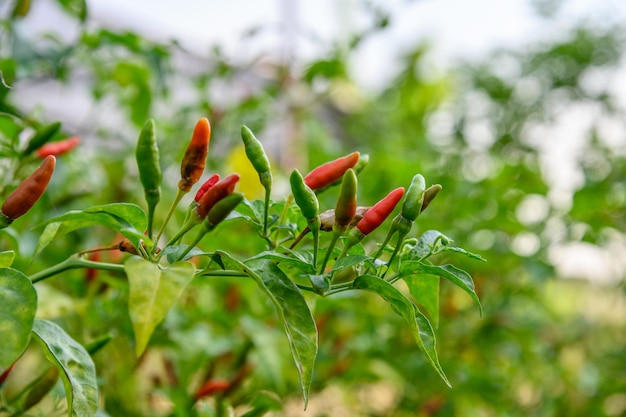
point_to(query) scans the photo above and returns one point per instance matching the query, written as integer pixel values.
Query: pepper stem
(329, 251)
(179, 195)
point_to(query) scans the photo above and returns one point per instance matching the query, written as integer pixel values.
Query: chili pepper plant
(307, 251)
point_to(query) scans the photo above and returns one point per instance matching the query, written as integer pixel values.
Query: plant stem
(74, 262)
(329, 251)
(179, 195)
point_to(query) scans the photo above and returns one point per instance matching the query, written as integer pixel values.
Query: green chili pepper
(261, 163)
(309, 206)
(414, 198)
(346, 203)
(217, 214)
(147, 154)
(345, 210)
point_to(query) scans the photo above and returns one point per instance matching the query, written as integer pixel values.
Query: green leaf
(425, 290)
(152, 292)
(6, 258)
(464, 252)
(75, 365)
(348, 261)
(297, 260)
(426, 242)
(17, 313)
(128, 219)
(453, 274)
(292, 310)
(77, 8)
(420, 326)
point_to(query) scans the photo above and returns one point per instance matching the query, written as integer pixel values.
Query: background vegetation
(528, 145)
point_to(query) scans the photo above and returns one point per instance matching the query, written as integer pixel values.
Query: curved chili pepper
(42, 137)
(205, 187)
(257, 157)
(304, 196)
(215, 194)
(147, 155)
(309, 206)
(28, 192)
(261, 163)
(379, 212)
(194, 160)
(330, 172)
(429, 195)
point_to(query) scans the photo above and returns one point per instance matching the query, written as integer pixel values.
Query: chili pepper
(261, 163)
(218, 212)
(215, 194)
(309, 206)
(372, 219)
(27, 193)
(41, 137)
(345, 208)
(193, 163)
(211, 387)
(304, 196)
(222, 209)
(379, 212)
(330, 172)
(147, 155)
(59, 147)
(414, 198)
(429, 195)
(205, 187)
(257, 157)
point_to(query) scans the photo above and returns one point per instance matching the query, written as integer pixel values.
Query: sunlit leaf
(292, 310)
(425, 289)
(153, 290)
(17, 313)
(75, 365)
(419, 324)
(453, 274)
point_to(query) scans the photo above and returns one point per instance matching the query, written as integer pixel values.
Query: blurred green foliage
(490, 132)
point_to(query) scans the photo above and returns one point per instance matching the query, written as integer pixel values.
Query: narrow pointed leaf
(17, 313)
(292, 310)
(152, 292)
(75, 366)
(420, 326)
(425, 290)
(453, 274)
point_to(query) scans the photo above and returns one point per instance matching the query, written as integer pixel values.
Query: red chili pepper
(59, 147)
(215, 194)
(193, 163)
(380, 211)
(330, 172)
(205, 187)
(29, 191)
(211, 387)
